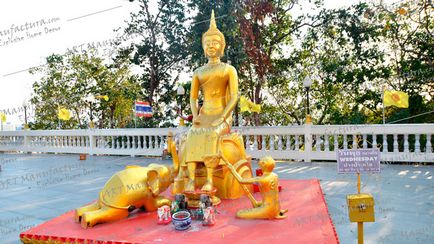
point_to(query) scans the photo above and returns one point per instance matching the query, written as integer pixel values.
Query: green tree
(351, 54)
(74, 81)
(160, 55)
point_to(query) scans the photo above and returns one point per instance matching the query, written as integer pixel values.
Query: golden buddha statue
(195, 154)
(218, 83)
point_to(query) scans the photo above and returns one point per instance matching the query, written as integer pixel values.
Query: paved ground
(35, 188)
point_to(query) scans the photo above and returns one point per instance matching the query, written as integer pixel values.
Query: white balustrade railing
(397, 142)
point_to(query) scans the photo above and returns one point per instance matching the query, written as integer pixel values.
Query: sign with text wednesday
(358, 160)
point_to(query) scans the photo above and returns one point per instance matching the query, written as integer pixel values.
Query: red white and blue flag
(143, 109)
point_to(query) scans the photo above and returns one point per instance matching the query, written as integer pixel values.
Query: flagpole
(135, 117)
(382, 96)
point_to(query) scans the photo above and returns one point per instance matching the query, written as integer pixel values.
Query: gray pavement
(37, 187)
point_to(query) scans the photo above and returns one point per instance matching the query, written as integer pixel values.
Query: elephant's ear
(154, 182)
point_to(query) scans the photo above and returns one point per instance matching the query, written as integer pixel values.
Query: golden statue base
(194, 197)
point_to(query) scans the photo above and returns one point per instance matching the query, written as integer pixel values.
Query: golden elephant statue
(134, 187)
(231, 147)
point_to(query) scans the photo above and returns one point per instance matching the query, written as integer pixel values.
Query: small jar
(181, 220)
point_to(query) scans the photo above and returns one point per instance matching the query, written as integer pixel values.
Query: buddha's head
(213, 41)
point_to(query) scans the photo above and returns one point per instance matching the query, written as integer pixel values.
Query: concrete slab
(37, 187)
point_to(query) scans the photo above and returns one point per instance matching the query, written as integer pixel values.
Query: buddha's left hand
(218, 121)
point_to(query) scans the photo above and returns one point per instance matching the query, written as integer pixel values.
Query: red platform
(308, 221)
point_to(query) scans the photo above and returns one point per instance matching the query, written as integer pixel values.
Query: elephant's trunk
(171, 148)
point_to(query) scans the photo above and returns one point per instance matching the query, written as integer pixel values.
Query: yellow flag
(255, 107)
(244, 104)
(402, 11)
(395, 98)
(64, 114)
(105, 97)
(3, 117)
(248, 106)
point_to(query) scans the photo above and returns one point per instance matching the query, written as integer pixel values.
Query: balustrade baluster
(156, 142)
(326, 143)
(428, 144)
(335, 142)
(395, 143)
(355, 146)
(288, 142)
(385, 149)
(255, 143)
(272, 142)
(365, 141)
(297, 143)
(374, 141)
(264, 145)
(345, 141)
(279, 142)
(417, 143)
(134, 142)
(318, 143)
(406, 149)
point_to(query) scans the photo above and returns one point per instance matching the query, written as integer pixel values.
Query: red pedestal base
(308, 221)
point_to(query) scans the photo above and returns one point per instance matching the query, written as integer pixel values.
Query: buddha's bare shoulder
(229, 68)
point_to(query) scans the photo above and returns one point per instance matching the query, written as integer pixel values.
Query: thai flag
(143, 109)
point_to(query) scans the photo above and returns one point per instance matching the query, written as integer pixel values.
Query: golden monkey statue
(131, 188)
(211, 134)
(269, 207)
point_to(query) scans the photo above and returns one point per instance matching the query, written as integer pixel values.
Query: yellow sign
(361, 207)
(395, 98)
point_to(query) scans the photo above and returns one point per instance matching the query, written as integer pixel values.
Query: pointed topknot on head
(213, 30)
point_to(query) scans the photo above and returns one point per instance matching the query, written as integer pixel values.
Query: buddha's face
(212, 45)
